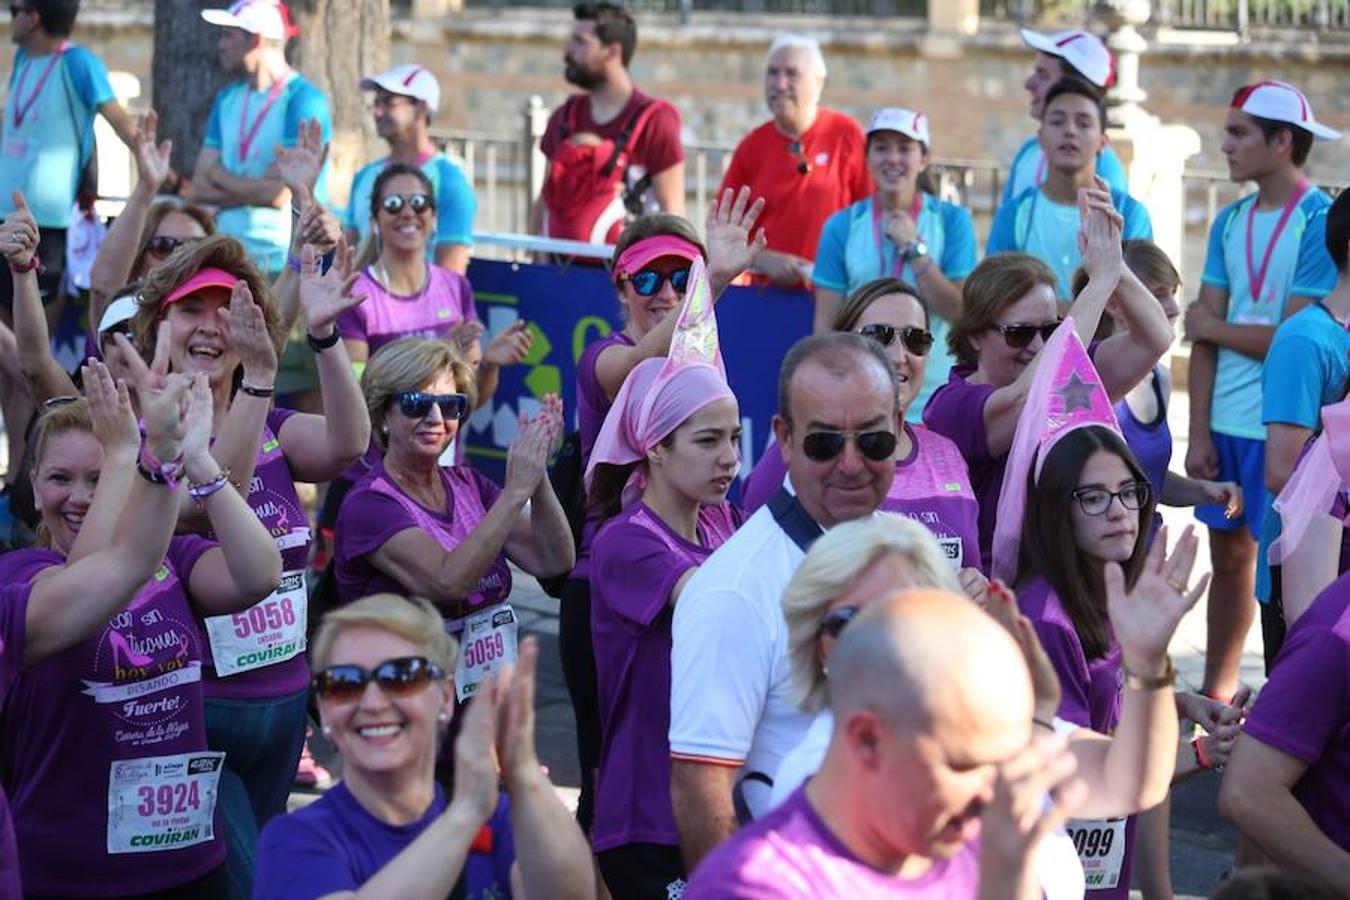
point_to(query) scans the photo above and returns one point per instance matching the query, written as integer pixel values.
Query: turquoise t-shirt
(265, 232)
(1299, 267)
(455, 202)
(1028, 170)
(1307, 367)
(57, 97)
(847, 258)
(1049, 231)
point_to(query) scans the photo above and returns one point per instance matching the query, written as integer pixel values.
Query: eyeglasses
(1018, 336)
(400, 677)
(1095, 501)
(648, 281)
(417, 405)
(823, 446)
(418, 203)
(834, 623)
(162, 245)
(916, 340)
(795, 148)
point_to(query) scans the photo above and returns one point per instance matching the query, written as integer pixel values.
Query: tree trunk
(186, 76)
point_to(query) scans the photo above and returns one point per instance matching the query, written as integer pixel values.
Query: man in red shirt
(596, 60)
(807, 162)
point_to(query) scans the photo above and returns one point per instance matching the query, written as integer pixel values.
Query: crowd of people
(921, 650)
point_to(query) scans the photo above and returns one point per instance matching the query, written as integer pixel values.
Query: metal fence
(1219, 15)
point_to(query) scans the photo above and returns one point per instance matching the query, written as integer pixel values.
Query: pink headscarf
(1312, 489)
(1066, 394)
(661, 393)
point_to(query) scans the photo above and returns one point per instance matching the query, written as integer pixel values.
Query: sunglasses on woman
(1095, 501)
(823, 446)
(417, 405)
(418, 203)
(1018, 336)
(916, 340)
(834, 623)
(162, 245)
(648, 281)
(400, 677)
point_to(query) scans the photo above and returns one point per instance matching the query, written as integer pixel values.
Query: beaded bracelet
(200, 491)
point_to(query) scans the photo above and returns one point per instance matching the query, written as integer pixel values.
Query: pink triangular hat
(1066, 394)
(1311, 490)
(661, 393)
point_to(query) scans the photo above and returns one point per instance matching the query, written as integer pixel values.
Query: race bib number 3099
(1101, 849)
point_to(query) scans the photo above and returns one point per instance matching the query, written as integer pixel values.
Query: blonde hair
(831, 566)
(411, 618)
(406, 365)
(56, 420)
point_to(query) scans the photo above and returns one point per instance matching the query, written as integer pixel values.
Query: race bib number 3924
(162, 802)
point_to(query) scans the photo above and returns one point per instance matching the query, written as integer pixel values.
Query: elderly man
(732, 711)
(933, 750)
(807, 162)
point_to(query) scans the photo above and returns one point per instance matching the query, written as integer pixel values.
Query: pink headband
(205, 278)
(644, 251)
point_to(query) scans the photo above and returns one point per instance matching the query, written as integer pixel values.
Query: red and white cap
(1080, 49)
(907, 122)
(266, 18)
(1282, 102)
(411, 80)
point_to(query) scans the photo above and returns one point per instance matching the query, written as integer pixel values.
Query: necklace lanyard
(915, 208)
(1257, 278)
(21, 108)
(247, 134)
(1040, 170)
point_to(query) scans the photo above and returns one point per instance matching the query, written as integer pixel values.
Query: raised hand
(327, 295)
(1100, 231)
(731, 221)
(152, 159)
(164, 410)
(1145, 617)
(1045, 685)
(318, 227)
(19, 233)
(475, 794)
(510, 345)
(1018, 816)
(197, 414)
(515, 715)
(464, 336)
(527, 459)
(110, 411)
(252, 342)
(145, 377)
(299, 166)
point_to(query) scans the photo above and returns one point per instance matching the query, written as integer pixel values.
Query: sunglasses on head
(834, 623)
(162, 245)
(647, 282)
(418, 203)
(417, 405)
(823, 446)
(916, 340)
(400, 677)
(1018, 336)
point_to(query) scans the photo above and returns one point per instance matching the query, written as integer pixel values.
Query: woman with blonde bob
(385, 693)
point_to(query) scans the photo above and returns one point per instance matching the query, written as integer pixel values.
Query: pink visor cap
(209, 277)
(638, 255)
(265, 18)
(1282, 102)
(913, 125)
(1084, 51)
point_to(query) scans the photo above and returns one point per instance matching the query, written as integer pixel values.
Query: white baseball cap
(1080, 49)
(1282, 102)
(909, 123)
(265, 18)
(115, 313)
(408, 81)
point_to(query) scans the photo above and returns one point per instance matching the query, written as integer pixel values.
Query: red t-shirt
(796, 205)
(654, 147)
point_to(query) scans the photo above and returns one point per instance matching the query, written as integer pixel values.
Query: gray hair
(834, 562)
(791, 41)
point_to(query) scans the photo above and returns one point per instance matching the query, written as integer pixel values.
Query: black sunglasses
(834, 623)
(418, 203)
(162, 245)
(417, 405)
(396, 677)
(795, 148)
(823, 446)
(916, 340)
(1018, 336)
(648, 281)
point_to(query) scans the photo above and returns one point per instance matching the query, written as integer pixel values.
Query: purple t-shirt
(335, 845)
(13, 619)
(636, 561)
(105, 750)
(791, 854)
(592, 407)
(274, 627)
(1304, 709)
(1090, 689)
(956, 411)
(931, 486)
(376, 509)
(385, 317)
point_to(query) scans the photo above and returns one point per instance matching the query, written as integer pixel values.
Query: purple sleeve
(637, 570)
(1312, 664)
(22, 566)
(351, 324)
(956, 411)
(184, 552)
(468, 310)
(13, 624)
(1061, 645)
(367, 520)
(277, 417)
(297, 861)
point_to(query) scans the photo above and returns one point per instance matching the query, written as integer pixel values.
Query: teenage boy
(1043, 220)
(1267, 259)
(1068, 54)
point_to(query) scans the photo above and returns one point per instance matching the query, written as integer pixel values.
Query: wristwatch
(916, 249)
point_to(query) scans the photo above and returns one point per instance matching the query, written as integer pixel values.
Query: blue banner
(567, 307)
